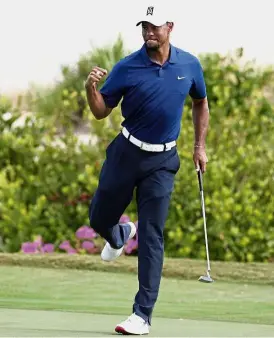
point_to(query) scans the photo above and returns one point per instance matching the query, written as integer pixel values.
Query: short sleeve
(114, 86)
(198, 87)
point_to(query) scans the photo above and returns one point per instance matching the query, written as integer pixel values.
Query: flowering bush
(86, 242)
(48, 177)
(37, 246)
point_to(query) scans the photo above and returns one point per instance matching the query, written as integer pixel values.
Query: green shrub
(45, 189)
(238, 184)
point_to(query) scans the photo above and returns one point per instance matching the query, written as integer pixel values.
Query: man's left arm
(200, 116)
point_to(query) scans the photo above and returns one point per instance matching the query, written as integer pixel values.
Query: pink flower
(87, 245)
(29, 247)
(132, 245)
(124, 219)
(48, 248)
(85, 232)
(71, 251)
(81, 232)
(65, 245)
(90, 233)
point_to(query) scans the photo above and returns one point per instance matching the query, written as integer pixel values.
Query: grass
(108, 293)
(30, 323)
(187, 269)
(53, 302)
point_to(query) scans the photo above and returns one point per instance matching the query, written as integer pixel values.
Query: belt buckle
(150, 147)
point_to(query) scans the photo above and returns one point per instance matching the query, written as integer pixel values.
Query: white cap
(157, 16)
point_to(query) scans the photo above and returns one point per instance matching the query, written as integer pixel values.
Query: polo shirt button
(161, 73)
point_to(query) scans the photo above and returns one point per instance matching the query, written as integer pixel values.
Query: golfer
(153, 84)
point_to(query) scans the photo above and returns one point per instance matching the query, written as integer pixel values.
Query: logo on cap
(150, 10)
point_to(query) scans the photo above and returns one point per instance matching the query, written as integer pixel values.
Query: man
(154, 83)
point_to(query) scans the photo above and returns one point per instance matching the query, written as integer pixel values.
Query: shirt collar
(172, 59)
(173, 55)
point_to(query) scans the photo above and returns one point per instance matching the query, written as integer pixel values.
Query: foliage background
(48, 177)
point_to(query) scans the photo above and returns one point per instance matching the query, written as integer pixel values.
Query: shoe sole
(120, 329)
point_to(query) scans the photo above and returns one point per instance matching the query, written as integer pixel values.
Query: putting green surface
(31, 323)
(41, 302)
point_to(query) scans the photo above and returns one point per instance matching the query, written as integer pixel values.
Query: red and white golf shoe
(134, 325)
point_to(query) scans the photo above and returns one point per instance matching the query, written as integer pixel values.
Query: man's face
(155, 36)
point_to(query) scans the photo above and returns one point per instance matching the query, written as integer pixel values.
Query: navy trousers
(152, 174)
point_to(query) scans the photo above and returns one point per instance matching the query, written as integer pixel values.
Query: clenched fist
(94, 77)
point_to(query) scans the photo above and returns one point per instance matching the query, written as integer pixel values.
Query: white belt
(148, 146)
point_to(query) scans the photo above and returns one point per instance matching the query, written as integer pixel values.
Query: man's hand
(200, 159)
(94, 77)
(94, 97)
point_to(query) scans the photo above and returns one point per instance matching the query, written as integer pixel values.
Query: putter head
(206, 279)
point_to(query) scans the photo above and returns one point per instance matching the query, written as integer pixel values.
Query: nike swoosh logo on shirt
(180, 78)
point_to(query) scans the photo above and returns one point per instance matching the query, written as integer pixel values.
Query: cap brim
(153, 22)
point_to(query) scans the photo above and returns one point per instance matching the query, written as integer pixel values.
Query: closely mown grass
(175, 268)
(113, 293)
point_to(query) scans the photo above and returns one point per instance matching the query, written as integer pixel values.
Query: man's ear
(170, 26)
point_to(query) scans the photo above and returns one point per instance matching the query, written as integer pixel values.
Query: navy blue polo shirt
(153, 96)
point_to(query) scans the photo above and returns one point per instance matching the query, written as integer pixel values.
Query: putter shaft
(200, 178)
(205, 230)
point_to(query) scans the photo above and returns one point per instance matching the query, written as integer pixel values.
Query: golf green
(74, 303)
(37, 323)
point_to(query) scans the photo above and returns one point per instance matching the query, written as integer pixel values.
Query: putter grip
(200, 179)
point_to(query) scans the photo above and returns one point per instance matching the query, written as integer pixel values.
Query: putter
(207, 278)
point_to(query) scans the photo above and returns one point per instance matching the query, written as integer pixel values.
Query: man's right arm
(94, 97)
(96, 103)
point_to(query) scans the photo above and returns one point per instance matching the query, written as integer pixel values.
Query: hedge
(48, 178)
